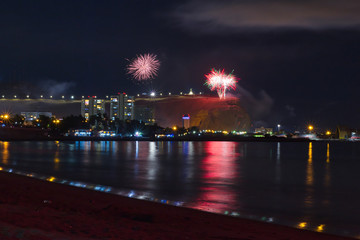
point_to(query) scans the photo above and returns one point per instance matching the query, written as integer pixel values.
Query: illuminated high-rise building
(92, 106)
(186, 121)
(122, 107)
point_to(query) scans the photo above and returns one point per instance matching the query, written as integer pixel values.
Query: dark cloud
(48, 87)
(55, 88)
(214, 15)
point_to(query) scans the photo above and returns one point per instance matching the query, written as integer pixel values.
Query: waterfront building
(264, 130)
(107, 133)
(122, 107)
(342, 132)
(31, 116)
(92, 106)
(80, 133)
(186, 121)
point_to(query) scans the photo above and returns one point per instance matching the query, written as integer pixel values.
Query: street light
(278, 127)
(311, 127)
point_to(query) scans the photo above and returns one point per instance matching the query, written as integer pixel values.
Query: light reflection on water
(309, 179)
(304, 185)
(5, 152)
(218, 170)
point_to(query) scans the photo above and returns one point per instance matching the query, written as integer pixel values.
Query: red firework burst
(144, 67)
(220, 81)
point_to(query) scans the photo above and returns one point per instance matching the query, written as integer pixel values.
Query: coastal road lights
(5, 118)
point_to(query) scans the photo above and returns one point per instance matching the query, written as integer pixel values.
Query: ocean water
(314, 186)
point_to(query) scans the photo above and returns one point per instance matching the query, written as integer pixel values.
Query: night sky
(298, 61)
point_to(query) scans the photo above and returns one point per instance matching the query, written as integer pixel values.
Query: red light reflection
(219, 171)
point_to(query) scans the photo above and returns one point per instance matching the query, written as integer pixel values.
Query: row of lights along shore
(41, 96)
(152, 94)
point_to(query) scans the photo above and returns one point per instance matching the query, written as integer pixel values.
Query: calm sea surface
(314, 186)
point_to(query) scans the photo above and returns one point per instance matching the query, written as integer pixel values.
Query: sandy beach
(39, 210)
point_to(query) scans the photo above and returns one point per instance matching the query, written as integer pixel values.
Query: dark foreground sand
(39, 210)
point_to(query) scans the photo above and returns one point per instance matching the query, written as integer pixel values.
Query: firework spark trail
(144, 67)
(220, 81)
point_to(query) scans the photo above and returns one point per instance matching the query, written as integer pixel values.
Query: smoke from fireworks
(220, 81)
(144, 67)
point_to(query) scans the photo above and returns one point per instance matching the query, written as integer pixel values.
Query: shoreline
(36, 209)
(175, 139)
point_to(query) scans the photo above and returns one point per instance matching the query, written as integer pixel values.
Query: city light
(51, 96)
(27, 96)
(328, 133)
(310, 127)
(174, 128)
(62, 97)
(152, 94)
(320, 228)
(14, 96)
(41, 96)
(302, 225)
(72, 97)
(50, 179)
